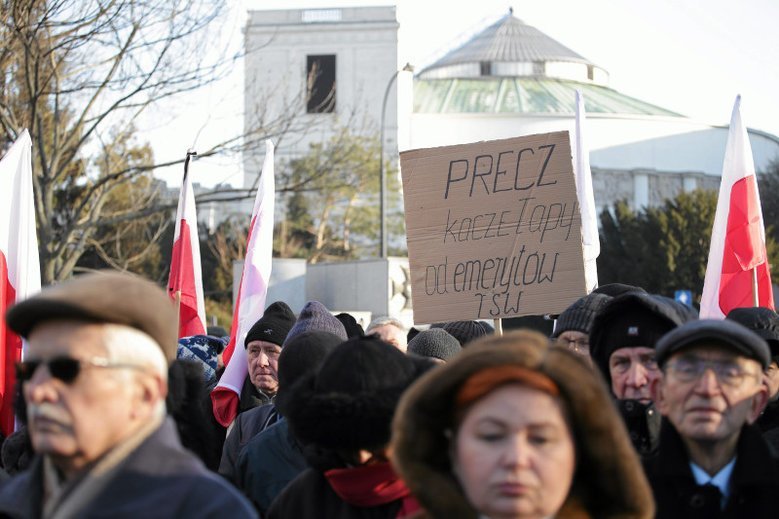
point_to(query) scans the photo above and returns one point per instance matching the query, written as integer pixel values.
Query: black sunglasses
(65, 369)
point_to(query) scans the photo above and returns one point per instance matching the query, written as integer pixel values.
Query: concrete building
(325, 69)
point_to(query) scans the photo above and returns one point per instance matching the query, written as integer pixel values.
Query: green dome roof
(526, 95)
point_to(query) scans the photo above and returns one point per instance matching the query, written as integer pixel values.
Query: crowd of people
(633, 408)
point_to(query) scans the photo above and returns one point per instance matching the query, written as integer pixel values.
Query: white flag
(251, 294)
(583, 175)
(20, 272)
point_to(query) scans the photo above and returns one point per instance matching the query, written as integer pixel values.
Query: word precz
(485, 166)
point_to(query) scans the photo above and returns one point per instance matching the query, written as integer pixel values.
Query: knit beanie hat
(763, 321)
(465, 331)
(579, 316)
(301, 355)
(202, 349)
(435, 342)
(349, 402)
(630, 320)
(273, 326)
(353, 328)
(314, 316)
(617, 289)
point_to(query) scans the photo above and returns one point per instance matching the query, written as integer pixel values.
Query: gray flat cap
(716, 333)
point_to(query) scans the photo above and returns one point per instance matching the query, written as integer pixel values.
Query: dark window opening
(485, 68)
(320, 81)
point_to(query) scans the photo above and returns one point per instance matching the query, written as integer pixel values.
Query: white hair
(383, 321)
(127, 345)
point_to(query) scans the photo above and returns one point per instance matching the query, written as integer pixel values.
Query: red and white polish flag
(20, 272)
(186, 278)
(737, 250)
(252, 292)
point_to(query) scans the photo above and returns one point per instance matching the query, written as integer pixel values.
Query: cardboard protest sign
(493, 228)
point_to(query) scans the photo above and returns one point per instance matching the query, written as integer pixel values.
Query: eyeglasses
(620, 365)
(65, 369)
(691, 369)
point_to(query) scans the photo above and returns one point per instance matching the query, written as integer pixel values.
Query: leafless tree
(79, 74)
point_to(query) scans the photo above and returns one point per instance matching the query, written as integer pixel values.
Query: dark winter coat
(643, 423)
(158, 479)
(268, 463)
(246, 426)
(310, 496)
(608, 481)
(754, 483)
(768, 423)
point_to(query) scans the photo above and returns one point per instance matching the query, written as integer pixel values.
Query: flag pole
(498, 326)
(755, 289)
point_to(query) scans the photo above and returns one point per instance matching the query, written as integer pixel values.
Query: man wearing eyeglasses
(622, 345)
(572, 327)
(94, 379)
(712, 462)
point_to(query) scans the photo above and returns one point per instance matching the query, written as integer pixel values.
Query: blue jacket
(268, 463)
(158, 479)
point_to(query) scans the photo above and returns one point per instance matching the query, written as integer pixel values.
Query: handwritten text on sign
(493, 228)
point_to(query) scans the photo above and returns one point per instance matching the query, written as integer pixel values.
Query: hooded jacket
(608, 479)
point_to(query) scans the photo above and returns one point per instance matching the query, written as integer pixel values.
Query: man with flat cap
(712, 461)
(94, 380)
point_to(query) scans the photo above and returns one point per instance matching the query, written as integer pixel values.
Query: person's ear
(151, 389)
(759, 401)
(657, 390)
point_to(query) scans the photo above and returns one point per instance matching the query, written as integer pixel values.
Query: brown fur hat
(608, 479)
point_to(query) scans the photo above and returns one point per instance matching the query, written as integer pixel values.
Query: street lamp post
(383, 181)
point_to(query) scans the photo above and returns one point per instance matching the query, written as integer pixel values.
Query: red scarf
(371, 485)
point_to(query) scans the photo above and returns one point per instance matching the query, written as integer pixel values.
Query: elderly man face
(709, 392)
(77, 411)
(263, 358)
(633, 371)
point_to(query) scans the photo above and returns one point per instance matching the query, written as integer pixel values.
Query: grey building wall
(364, 41)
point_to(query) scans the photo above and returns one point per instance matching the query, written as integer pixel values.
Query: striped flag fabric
(252, 292)
(185, 284)
(20, 273)
(737, 273)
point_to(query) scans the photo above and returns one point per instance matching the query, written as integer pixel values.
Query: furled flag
(583, 175)
(20, 272)
(185, 285)
(737, 273)
(250, 304)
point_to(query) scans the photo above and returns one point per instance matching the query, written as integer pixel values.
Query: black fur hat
(632, 319)
(349, 402)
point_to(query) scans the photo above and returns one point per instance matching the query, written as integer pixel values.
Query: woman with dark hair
(514, 428)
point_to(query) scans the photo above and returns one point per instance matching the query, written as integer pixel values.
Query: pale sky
(689, 56)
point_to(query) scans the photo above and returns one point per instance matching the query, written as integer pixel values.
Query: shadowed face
(632, 371)
(514, 455)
